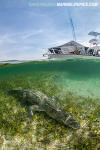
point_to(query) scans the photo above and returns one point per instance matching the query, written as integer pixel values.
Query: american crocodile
(38, 101)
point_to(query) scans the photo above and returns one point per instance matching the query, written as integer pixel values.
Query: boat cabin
(71, 47)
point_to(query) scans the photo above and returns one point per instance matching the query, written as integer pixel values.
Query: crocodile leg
(32, 109)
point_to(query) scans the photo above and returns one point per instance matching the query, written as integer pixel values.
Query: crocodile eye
(24, 95)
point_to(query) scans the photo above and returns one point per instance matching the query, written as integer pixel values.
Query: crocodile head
(72, 123)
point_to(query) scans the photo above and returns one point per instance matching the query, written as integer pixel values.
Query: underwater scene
(74, 82)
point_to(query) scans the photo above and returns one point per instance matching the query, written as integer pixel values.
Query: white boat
(73, 49)
(67, 50)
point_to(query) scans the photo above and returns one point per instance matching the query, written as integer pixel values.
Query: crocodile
(38, 101)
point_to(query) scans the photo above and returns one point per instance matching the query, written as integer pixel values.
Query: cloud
(21, 45)
(31, 33)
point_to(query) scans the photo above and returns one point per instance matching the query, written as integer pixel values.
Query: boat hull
(68, 56)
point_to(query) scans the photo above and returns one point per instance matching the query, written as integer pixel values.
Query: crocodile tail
(12, 92)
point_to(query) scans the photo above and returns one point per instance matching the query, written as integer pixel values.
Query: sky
(27, 29)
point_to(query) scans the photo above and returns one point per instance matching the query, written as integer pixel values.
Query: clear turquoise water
(80, 76)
